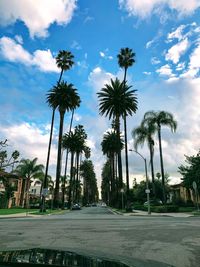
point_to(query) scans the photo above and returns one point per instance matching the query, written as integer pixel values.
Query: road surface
(140, 241)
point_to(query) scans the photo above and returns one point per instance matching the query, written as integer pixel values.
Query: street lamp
(147, 191)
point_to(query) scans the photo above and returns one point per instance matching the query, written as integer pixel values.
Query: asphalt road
(136, 240)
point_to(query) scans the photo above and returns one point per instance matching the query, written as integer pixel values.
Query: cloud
(155, 61)
(14, 52)
(76, 45)
(144, 9)
(194, 64)
(176, 51)
(30, 140)
(165, 71)
(102, 54)
(176, 34)
(98, 78)
(37, 15)
(147, 72)
(105, 55)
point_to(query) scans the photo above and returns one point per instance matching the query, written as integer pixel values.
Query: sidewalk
(19, 215)
(154, 214)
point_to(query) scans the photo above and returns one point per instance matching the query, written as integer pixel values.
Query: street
(139, 241)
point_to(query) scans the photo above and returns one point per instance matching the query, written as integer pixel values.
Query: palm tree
(144, 134)
(40, 181)
(65, 97)
(28, 169)
(126, 60)
(72, 142)
(158, 119)
(115, 101)
(64, 61)
(111, 145)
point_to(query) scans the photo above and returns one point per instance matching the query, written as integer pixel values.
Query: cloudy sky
(164, 34)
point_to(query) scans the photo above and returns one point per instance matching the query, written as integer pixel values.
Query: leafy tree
(115, 101)
(28, 170)
(6, 161)
(191, 171)
(159, 119)
(66, 98)
(126, 59)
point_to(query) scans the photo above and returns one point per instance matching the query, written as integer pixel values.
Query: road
(140, 241)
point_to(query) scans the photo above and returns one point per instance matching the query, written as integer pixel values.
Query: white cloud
(147, 72)
(177, 34)
(15, 52)
(180, 66)
(165, 71)
(76, 45)
(102, 54)
(98, 78)
(176, 51)
(19, 39)
(155, 61)
(144, 8)
(37, 15)
(194, 64)
(30, 140)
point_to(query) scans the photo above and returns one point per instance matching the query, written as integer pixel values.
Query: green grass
(48, 212)
(15, 211)
(196, 213)
(186, 209)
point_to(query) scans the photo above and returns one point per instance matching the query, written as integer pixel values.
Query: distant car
(88, 205)
(76, 207)
(103, 205)
(94, 205)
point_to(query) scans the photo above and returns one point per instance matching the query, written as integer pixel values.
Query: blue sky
(165, 35)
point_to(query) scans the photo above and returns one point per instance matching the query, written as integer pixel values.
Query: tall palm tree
(125, 60)
(66, 98)
(71, 141)
(158, 119)
(28, 169)
(111, 145)
(143, 134)
(64, 61)
(115, 101)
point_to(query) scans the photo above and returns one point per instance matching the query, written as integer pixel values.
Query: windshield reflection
(53, 257)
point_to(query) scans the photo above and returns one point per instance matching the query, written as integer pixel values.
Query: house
(16, 182)
(180, 192)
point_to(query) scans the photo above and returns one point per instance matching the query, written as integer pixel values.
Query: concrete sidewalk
(154, 214)
(19, 215)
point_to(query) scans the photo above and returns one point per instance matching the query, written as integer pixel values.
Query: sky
(164, 34)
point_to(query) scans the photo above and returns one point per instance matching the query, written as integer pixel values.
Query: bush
(165, 209)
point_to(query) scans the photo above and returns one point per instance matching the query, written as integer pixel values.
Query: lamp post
(147, 191)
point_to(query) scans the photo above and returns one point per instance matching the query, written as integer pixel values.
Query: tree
(6, 161)
(112, 145)
(126, 58)
(90, 189)
(66, 98)
(115, 101)
(28, 169)
(143, 134)
(72, 141)
(191, 171)
(64, 61)
(159, 119)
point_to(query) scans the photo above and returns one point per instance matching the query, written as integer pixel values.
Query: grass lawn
(37, 212)
(15, 211)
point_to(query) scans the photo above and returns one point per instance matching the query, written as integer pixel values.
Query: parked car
(94, 205)
(76, 207)
(103, 205)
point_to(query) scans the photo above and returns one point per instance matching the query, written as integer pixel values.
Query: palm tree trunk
(161, 165)
(71, 179)
(119, 155)
(22, 193)
(152, 170)
(125, 143)
(58, 167)
(66, 161)
(77, 172)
